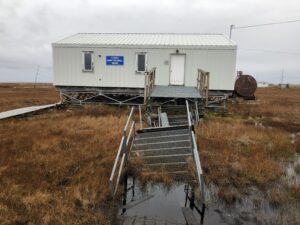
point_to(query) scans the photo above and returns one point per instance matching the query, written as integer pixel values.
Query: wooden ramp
(25, 110)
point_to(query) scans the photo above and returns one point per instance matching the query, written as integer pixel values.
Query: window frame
(137, 63)
(83, 61)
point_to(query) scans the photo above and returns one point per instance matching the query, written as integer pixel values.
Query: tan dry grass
(274, 106)
(237, 154)
(23, 95)
(55, 167)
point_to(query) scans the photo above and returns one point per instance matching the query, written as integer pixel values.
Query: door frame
(170, 65)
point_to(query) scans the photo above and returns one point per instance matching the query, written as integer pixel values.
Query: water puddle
(162, 203)
(159, 202)
(291, 176)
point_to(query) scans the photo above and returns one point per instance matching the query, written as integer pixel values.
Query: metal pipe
(198, 166)
(116, 160)
(128, 120)
(119, 174)
(130, 131)
(230, 32)
(188, 113)
(197, 111)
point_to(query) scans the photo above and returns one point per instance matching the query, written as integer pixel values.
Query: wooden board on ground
(22, 111)
(189, 216)
(137, 202)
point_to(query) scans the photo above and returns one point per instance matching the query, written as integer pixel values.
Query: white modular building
(118, 62)
(262, 84)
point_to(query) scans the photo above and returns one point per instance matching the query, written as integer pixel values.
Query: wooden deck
(175, 92)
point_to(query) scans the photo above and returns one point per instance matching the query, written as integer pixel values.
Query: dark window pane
(141, 62)
(87, 61)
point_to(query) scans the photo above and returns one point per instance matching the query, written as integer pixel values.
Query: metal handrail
(188, 114)
(196, 155)
(123, 151)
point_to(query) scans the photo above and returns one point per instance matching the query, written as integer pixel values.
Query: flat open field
(55, 166)
(22, 95)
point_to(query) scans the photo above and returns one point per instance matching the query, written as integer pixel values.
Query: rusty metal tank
(245, 86)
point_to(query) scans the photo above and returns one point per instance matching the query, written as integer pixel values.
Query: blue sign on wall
(115, 60)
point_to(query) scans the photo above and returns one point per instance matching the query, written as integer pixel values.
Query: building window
(88, 61)
(141, 62)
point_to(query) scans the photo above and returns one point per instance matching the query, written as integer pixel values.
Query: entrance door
(177, 70)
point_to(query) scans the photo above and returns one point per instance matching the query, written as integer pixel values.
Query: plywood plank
(22, 111)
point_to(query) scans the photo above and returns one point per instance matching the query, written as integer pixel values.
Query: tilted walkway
(25, 110)
(169, 148)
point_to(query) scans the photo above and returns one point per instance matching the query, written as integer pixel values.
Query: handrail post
(207, 87)
(133, 121)
(145, 88)
(124, 147)
(141, 120)
(196, 112)
(159, 116)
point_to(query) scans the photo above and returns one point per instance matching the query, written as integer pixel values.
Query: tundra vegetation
(55, 166)
(252, 150)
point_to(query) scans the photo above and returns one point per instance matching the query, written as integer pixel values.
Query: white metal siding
(68, 67)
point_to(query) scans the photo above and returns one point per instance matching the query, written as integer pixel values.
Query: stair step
(162, 151)
(169, 172)
(180, 175)
(178, 119)
(144, 140)
(171, 117)
(157, 145)
(163, 133)
(162, 156)
(166, 159)
(178, 122)
(172, 166)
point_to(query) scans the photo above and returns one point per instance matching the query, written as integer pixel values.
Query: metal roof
(159, 40)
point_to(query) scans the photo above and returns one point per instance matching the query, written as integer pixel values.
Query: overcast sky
(28, 27)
